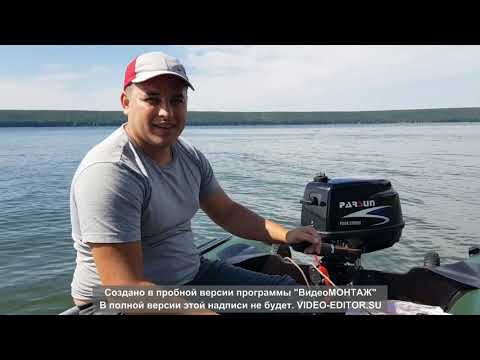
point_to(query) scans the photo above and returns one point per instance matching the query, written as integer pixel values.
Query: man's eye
(177, 101)
(152, 101)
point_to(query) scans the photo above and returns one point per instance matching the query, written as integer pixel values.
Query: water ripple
(433, 167)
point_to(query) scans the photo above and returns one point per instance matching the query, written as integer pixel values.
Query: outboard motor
(356, 215)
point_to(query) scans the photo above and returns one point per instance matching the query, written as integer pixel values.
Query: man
(134, 194)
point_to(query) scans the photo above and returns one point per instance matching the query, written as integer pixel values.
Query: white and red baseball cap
(152, 64)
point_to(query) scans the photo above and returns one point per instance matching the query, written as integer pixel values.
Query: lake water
(434, 167)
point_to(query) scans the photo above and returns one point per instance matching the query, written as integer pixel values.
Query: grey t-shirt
(119, 194)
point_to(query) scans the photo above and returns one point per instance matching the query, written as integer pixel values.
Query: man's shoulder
(188, 149)
(110, 150)
(114, 153)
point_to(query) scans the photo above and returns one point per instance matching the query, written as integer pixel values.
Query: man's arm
(244, 223)
(122, 265)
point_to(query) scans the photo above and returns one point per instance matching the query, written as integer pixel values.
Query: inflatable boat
(355, 216)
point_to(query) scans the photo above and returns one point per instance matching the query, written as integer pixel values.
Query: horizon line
(267, 111)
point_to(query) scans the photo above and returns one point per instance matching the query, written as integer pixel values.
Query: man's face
(156, 110)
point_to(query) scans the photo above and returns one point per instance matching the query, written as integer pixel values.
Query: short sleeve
(109, 200)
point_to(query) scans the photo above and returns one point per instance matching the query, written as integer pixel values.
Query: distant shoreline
(57, 118)
(50, 125)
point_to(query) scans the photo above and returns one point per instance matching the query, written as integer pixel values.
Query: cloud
(263, 78)
(276, 78)
(54, 67)
(61, 87)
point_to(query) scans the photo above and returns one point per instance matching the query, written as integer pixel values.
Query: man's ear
(125, 101)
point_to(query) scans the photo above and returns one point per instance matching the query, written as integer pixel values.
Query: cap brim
(148, 75)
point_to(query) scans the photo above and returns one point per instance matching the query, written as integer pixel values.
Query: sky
(250, 78)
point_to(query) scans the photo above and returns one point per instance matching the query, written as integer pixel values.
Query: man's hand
(305, 234)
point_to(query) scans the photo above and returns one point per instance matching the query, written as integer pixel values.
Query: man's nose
(164, 110)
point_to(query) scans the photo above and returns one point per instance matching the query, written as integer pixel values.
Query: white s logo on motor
(366, 214)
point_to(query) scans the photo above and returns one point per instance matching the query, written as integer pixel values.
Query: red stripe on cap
(130, 73)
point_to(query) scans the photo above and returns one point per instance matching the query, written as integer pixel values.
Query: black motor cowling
(359, 213)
